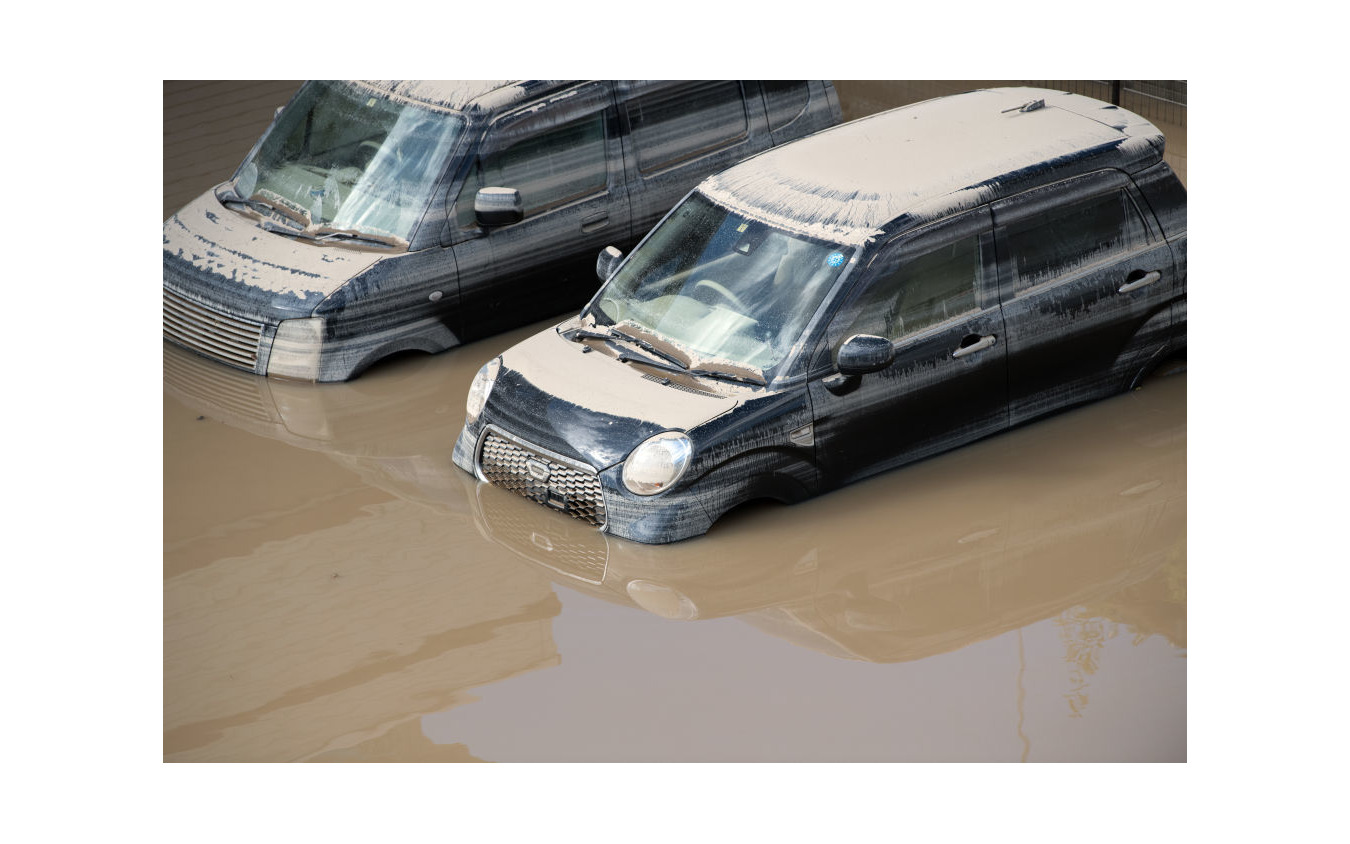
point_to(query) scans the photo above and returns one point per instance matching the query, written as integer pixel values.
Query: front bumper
(668, 517)
(226, 335)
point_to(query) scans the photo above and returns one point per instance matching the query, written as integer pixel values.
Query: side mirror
(278, 112)
(607, 261)
(864, 353)
(498, 207)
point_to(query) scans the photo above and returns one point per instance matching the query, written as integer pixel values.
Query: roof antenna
(1025, 107)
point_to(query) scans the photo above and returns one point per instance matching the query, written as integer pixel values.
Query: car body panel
(253, 271)
(657, 184)
(549, 256)
(587, 405)
(927, 400)
(1073, 335)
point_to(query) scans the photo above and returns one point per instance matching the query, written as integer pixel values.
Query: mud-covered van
(373, 218)
(865, 297)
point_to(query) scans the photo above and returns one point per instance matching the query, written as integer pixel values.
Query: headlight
(296, 349)
(657, 464)
(481, 388)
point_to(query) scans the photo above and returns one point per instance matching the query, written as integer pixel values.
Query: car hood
(216, 254)
(589, 406)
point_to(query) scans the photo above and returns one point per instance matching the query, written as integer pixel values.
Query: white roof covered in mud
(461, 94)
(931, 158)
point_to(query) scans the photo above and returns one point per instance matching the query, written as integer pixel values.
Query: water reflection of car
(391, 430)
(872, 295)
(326, 628)
(1084, 510)
(380, 217)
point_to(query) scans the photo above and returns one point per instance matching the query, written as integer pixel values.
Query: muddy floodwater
(335, 589)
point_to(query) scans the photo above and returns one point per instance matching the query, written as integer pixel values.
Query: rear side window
(913, 292)
(684, 121)
(1073, 235)
(785, 100)
(1165, 193)
(549, 169)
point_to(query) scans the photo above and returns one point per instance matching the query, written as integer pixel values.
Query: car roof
(901, 168)
(490, 96)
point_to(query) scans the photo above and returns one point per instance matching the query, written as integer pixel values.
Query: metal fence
(1161, 101)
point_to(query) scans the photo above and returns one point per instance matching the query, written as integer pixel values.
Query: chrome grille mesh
(522, 471)
(209, 332)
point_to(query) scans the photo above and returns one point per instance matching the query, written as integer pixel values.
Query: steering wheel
(373, 146)
(723, 292)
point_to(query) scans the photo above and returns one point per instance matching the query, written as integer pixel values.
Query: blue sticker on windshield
(834, 259)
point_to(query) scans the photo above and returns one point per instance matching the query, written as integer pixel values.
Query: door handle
(590, 224)
(1138, 279)
(974, 343)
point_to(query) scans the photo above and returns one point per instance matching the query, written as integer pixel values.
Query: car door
(678, 133)
(564, 157)
(785, 102)
(1088, 286)
(934, 294)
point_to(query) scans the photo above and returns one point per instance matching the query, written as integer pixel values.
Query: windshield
(722, 286)
(348, 158)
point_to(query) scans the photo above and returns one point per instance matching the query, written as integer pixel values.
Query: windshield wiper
(649, 347)
(587, 334)
(272, 214)
(229, 196)
(728, 376)
(252, 204)
(289, 231)
(321, 237)
(676, 365)
(325, 235)
(629, 357)
(671, 364)
(293, 227)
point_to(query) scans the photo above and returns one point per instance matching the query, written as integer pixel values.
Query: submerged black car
(379, 217)
(865, 297)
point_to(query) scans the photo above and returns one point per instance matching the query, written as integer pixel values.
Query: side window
(549, 168)
(677, 123)
(784, 100)
(911, 292)
(1073, 235)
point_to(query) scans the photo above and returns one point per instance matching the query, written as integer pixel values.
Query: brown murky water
(336, 590)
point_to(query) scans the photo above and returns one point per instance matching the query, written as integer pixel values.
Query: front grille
(541, 477)
(209, 332)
